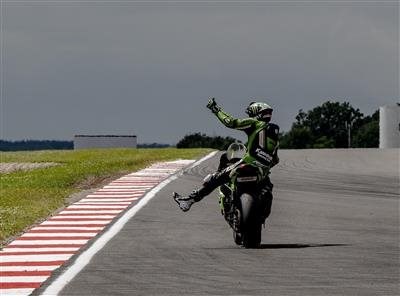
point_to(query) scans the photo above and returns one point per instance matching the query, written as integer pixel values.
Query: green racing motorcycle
(246, 200)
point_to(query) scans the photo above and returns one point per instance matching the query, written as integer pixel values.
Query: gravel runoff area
(9, 167)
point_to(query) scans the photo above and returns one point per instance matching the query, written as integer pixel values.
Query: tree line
(30, 145)
(199, 140)
(332, 125)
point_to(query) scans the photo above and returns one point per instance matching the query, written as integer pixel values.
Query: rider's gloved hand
(213, 106)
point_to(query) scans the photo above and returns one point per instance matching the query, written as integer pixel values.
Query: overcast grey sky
(123, 67)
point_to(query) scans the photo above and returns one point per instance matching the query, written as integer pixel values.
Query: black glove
(213, 106)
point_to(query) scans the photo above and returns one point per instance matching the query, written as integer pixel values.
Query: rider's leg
(211, 182)
(214, 180)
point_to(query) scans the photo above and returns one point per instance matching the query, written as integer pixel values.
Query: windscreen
(236, 150)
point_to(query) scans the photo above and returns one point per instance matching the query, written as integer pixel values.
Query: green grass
(27, 197)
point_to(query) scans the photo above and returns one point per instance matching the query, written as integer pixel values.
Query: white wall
(389, 126)
(82, 142)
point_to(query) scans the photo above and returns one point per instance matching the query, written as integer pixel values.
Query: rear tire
(237, 235)
(250, 222)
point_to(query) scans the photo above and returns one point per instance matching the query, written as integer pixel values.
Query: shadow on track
(279, 246)
(297, 246)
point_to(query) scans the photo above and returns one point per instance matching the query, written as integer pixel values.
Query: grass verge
(27, 197)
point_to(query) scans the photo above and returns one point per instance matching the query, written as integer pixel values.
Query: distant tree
(323, 142)
(327, 126)
(331, 120)
(367, 135)
(198, 140)
(299, 137)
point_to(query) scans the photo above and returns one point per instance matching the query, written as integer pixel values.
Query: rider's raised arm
(227, 119)
(236, 123)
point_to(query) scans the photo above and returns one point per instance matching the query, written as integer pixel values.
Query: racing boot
(185, 203)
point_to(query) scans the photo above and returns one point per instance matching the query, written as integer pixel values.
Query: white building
(389, 126)
(104, 141)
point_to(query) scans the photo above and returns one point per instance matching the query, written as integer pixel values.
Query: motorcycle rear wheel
(250, 225)
(237, 235)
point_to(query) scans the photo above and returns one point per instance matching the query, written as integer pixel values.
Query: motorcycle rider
(262, 150)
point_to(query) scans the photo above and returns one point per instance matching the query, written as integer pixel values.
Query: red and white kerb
(30, 259)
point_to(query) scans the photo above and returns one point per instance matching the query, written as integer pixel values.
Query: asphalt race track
(334, 230)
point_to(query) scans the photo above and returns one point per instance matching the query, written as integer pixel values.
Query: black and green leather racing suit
(262, 151)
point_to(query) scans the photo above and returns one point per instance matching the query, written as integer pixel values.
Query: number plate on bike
(247, 179)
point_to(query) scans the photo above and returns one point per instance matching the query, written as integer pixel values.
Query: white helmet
(261, 111)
